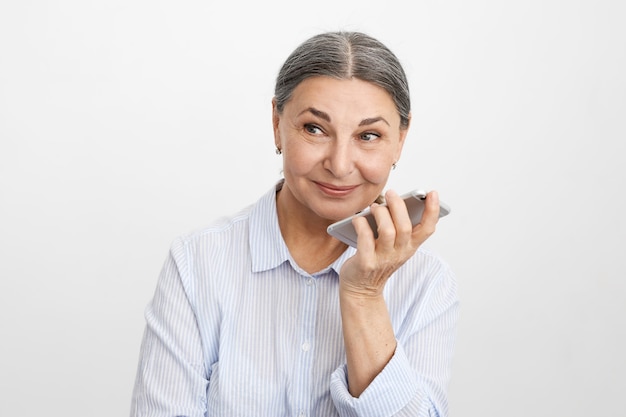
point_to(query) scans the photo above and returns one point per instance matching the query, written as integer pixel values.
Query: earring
(393, 166)
(278, 151)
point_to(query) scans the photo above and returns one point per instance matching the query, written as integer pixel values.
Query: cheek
(297, 160)
(375, 170)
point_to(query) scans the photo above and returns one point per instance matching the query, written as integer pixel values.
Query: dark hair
(345, 55)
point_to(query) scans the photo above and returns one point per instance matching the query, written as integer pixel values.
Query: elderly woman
(265, 313)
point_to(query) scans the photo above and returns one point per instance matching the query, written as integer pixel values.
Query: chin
(339, 214)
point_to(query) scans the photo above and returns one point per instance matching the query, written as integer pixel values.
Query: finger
(365, 241)
(400, 217)
(427, 225)
(385, 227)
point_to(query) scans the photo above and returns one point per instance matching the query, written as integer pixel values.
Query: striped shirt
(236, 328)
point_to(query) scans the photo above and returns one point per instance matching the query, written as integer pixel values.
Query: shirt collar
(267, 247)
(347, 254)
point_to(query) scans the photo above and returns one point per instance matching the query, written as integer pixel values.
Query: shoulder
(204, 257)
(220, 234)
(428, 264)
(424, 272)
(233, 229)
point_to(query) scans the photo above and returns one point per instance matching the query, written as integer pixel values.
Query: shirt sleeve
(415, 381)
(171, 379)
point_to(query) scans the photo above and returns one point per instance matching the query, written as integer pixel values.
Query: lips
(335, 190)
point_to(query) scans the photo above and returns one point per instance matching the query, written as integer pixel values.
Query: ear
(275, 123)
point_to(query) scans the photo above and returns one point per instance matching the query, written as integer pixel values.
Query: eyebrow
(326, 116)
(316, 112)
(372, 120)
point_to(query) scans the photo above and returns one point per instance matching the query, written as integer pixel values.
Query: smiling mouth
(336, 190)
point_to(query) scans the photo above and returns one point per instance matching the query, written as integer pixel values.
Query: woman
(265, 314)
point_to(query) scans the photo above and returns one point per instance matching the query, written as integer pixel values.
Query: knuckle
(370, 266)
(386, 233)
(404, 229)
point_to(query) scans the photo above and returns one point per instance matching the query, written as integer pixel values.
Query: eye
(313, 129)
(369, 136)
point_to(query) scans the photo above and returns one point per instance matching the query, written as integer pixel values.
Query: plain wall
(124, 124)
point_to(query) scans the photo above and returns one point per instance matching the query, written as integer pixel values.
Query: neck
(305, 234)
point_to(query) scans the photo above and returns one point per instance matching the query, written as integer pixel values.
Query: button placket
(307, 334)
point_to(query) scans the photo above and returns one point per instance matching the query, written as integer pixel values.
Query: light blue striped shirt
(236, 328)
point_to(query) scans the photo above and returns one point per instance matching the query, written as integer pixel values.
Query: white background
(125, 123)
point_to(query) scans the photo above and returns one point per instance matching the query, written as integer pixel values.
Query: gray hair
(345, 55)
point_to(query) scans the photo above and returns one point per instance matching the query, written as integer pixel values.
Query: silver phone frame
(414, 200)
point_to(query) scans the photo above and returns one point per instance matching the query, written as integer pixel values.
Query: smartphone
(414, 200)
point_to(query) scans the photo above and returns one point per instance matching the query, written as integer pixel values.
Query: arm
(382, 372)
(368, 335)
(415, 380)
(170, 377)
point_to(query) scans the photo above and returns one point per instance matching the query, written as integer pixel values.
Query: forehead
(341, 97)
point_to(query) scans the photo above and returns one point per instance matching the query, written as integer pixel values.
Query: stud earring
(393, 166)
(278, 151)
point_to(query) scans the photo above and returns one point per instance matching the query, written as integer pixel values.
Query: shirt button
(310, 282)
(306, 346)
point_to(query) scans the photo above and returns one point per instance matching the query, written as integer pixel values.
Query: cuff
(392, 389)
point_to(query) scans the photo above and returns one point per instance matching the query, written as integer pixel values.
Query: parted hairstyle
(345, 55)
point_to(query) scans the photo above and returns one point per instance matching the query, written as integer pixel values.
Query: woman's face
(339, 140)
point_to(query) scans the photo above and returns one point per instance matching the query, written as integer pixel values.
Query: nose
(340, 158)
